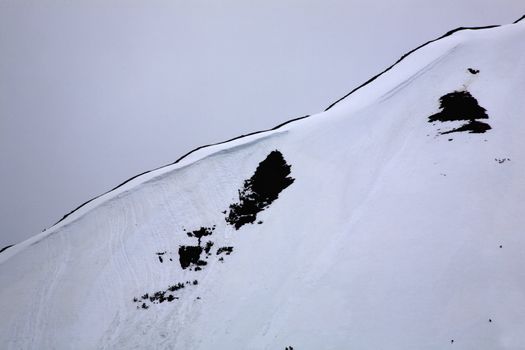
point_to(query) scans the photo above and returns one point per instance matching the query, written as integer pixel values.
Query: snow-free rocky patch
(461, 106)
(259, 191)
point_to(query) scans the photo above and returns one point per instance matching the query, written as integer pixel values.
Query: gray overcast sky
(93, 92)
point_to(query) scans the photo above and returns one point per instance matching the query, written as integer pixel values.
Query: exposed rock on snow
(259, 191)
(458, 106)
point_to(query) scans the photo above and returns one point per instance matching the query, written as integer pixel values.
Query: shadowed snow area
(393, 220)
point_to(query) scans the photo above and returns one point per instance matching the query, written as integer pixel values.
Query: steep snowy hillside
(393, 220)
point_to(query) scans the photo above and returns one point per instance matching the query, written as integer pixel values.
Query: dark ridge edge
(282, 124)
(4, 248)
(407, 54)
(175, 162)
(417, 48)
(519, 19)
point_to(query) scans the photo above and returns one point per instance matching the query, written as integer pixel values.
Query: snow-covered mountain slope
(393, 220)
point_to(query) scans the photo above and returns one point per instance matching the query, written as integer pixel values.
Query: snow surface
(392, 236)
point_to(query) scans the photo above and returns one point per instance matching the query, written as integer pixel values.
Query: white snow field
(388, 233)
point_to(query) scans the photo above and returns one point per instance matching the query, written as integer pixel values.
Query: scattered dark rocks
(161, 296)
(473, 71)
(190, 255)
(269, 179)
(458, 106)
(226, 250)
(203, 231)
(207, 248)
(259, 191)
(502, 160)
(159, 255)
(176, 287)
(164, 256)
